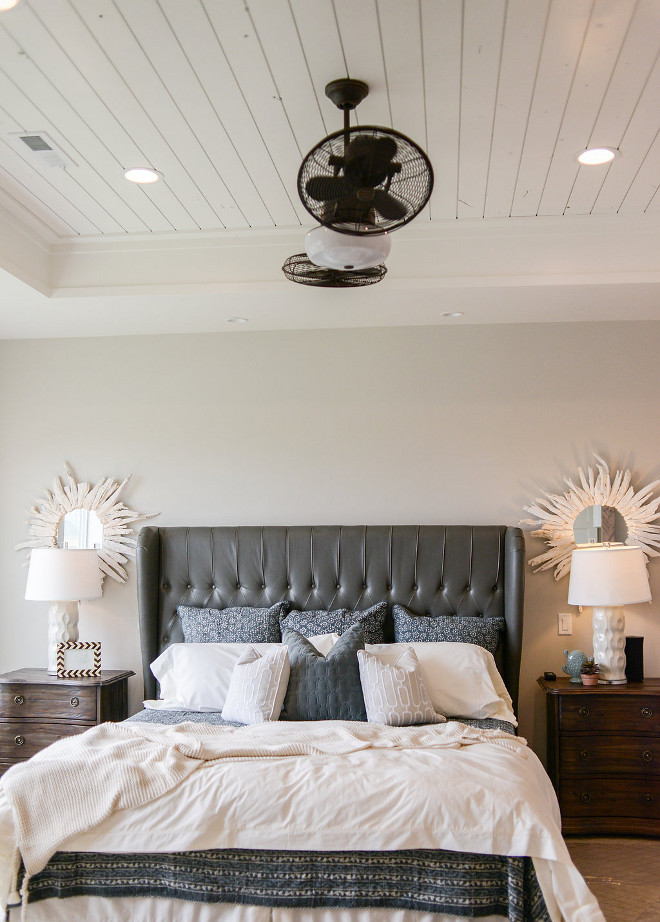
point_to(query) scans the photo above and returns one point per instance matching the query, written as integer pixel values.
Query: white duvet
(485, 797)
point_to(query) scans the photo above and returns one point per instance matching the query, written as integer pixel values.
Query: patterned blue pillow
(312, 623)
(324, 687)
(231, 625)
(410, 628)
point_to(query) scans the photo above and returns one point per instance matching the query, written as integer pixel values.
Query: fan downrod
(346, 93)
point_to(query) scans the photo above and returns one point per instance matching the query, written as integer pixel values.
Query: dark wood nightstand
(604, 756)
(37, 708)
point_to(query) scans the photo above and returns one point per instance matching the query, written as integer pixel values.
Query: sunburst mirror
(556, 514)
(77, 515)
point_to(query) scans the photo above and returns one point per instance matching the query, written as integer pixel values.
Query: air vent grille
(43, 149)
(35, 142)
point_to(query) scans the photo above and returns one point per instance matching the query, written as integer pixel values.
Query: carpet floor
(623, 874)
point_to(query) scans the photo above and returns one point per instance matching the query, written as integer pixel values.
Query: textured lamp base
(62, 626)
(609, 645)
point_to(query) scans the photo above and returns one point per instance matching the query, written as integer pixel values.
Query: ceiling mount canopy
(364, 180)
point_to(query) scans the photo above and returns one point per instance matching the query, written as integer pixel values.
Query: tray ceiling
(225, 97)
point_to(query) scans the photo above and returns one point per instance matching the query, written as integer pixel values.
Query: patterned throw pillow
(395, 693)
(309, 623)
(231, 625)
(410, 628)
(324, 687)
(257, 687)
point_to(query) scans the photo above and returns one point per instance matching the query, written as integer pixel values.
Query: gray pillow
(324, 687)
(312, 623)
(411, 628)
(231, 625)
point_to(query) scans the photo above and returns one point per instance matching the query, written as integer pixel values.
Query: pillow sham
(324, 687)
(411, 628)
(339, 620)
(395, 693)
(462, 679)
(196, 676)
(232, 625)
(257, 686)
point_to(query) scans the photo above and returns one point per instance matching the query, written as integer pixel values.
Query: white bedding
(478, 798)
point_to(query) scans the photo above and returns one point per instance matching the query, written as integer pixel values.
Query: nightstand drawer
(630, 714)
(608, 797)
(56, 702)
(593, 754)
(22, 739)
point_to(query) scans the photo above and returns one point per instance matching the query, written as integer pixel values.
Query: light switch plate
(565, 622)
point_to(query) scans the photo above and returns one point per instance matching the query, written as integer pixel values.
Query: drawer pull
(585, 798)
(584, 711)
(647, 712)
(649, 799)
(74, 702)
(647, 755)
(19, 740)
(585, 754)
(19, 699)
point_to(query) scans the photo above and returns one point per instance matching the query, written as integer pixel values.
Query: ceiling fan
(360, 184)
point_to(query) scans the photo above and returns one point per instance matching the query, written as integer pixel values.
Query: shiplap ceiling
(225, 97)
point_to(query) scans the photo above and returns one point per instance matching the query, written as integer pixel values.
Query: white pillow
(257, 687)
(394, 693)
(196, 676)
(461, 678)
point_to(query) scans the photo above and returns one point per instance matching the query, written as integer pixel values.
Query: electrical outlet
(565, 622)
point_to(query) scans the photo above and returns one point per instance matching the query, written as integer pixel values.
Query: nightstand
(604, 756)
(37, 708)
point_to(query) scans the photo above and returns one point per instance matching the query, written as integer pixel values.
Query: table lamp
(62, 577)
(605, 577)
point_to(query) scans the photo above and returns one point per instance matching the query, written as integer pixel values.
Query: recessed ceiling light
(453, 314)
(142, 174)
(595, 156)
(7, 5)
(237, 320)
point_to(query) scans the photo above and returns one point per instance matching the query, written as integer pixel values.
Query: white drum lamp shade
(332, 250)
(605, 577)
(62, 577)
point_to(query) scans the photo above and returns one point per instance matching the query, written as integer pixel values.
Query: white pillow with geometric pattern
(395, 693)
(257, 686)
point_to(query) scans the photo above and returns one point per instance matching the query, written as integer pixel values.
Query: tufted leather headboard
(456, 570)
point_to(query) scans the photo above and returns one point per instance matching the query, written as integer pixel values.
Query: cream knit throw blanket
(75, 784)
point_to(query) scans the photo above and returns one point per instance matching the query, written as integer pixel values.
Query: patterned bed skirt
(456, 883)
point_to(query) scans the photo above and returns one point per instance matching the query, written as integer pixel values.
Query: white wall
(451, 424)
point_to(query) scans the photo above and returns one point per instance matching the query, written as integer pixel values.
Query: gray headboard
(456, 570)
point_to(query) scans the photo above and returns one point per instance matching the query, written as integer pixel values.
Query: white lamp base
(609, 645)
(62, 627)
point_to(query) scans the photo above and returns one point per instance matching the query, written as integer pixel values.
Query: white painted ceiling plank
(401, 36)
(280, 41)
(22, 203)
(103, 111)
(209, 152)
(567, 24)
(360, 41)
(442, 24)
(483, 25)
(317, 26)
(241, 47)
(198, 39)
(642, 195)
(623, 97)
(598, 58)
(173, 150)
(49, 200)
(524, 28)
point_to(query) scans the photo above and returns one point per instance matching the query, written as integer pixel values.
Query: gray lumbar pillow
(324, 687)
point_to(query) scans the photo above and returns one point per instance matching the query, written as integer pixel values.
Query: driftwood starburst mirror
(84, 515)
(555, 515)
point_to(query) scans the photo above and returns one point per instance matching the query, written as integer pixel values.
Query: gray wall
(461, 424)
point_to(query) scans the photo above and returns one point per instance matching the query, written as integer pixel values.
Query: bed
(320, 820)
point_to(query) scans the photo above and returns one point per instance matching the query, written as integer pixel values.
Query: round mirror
(80, 528)
(600, 525)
